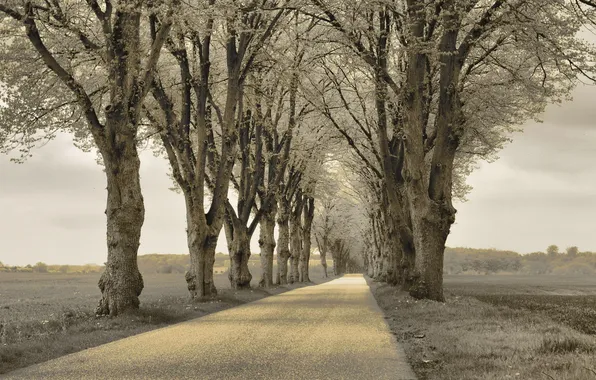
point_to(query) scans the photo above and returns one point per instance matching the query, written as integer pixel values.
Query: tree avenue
(349, 126)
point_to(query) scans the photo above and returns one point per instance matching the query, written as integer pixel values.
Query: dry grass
(465, 338)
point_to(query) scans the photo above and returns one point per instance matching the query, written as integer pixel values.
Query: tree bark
(267, 244)
(283, 241)
(295, 240)
(431, 203)
(201, 246)
(432, 226)
(121, 283)
(309, 213)
(239, 274)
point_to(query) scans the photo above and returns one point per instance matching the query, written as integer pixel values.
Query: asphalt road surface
(330, 331)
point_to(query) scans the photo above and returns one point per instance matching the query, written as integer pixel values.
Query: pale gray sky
(542, 191)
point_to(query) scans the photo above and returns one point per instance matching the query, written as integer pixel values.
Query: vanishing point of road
(330, 331)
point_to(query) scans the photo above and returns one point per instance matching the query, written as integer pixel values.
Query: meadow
(47, 315)
(499, 327)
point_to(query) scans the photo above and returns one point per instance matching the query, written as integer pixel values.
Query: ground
(331, 331)
(491, 327)
(44, 316)
(498, 327)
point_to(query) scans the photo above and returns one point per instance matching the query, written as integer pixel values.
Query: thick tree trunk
(239, 274)
(121, 283)
(267, 244)
(432, 227)
(201, 246)
(283, 242)
(431, 208)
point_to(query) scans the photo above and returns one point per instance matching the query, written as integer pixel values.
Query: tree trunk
(239, 274)
(283, 242)
(322, 244)
(267, 244)
(309, 213)
(295, 248)
(201, 246)
(121, 283)
(432, 228)
(431, 207)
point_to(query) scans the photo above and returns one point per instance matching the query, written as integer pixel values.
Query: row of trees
(378, 109)
(217, 86)
(438, 85)
(457, 260)
(42, 267)
(489, 261)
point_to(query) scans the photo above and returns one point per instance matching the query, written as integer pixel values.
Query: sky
(541, 191)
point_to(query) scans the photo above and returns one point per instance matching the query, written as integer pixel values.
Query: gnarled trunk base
(121, 286)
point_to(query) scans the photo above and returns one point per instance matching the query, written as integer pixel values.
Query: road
(330, 331)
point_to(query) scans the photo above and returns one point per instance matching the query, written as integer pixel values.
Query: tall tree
(98, 53)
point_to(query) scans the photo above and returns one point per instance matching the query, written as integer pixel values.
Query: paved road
(329, 331)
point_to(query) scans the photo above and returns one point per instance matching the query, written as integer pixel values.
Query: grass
(498, 327)
(44, 316)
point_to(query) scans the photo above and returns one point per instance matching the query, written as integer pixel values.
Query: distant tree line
(491, 261)
(458, 260)
(42, 267)
(156, 263)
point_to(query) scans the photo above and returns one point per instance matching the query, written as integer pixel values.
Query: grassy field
(44, 316)
(499, 327)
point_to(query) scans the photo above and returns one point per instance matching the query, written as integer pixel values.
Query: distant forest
(489, 261)
(457, 261)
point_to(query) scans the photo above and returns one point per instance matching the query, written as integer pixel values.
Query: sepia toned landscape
(297, 189)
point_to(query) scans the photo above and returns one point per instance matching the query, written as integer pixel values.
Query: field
(43, 316)
(490, 327)
(568, 300)
(499, 327)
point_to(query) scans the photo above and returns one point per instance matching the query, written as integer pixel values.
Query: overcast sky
(542, 191)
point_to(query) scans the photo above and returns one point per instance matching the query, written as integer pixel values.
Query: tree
(572, 252)
(323, 226)
(40, 267)
(97, 55)
(552, 250)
